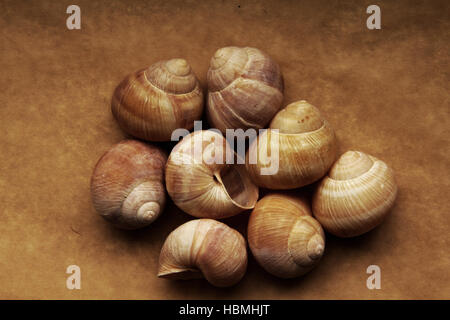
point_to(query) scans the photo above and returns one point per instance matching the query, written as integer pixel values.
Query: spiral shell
(204, 248)
(151, 103)
(201, 183)
(283, 236)
(127, 184)
(245, 89)
(304, 147)
(355, 197)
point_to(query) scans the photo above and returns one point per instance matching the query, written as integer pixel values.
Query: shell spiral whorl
(355, 197)
(151, 103)
(127, 185)
(284, 237)
(201, 183)
(204, 248)
(245, 89)
(305, 145)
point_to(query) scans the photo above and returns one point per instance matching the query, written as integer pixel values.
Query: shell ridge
(138, 183)
(195, 197)
(267, 57)
(324, 126)
(128, 88)
(241, 72)
(305, 219)
(194, 255)
(365, 210)
(220, 93)
(377, 163)
(154, 85)
(227, 106)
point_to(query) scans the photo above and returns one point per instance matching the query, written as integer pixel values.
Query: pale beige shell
(355, 197)
(201, 183)
(151, 103)
(245, 89)
(283, 236)
(127, 185)
(305, 145)
(204, 248)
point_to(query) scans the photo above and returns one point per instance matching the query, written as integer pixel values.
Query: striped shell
(201, 183)
(151, 103)
(245, 89)
(284, 237)
(204, 248)
(304, 148)
(127, 184)
(355, 197)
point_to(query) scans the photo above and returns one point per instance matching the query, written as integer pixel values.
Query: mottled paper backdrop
(386, 92)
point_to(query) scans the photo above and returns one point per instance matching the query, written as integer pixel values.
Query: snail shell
(305, 144)
(356, 195)
(151, 103)
(245, 89)
(283, 236)
(201, 183)
(127, 184)
(204, 248)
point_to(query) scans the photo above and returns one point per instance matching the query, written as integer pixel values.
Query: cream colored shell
(305, 145)
(127, 185)
(201, 183)
(284, 237)
(151, 103)
(355, 196)
(245, 89)
(204, 248)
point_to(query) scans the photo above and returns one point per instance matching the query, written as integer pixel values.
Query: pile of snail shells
(285, 231)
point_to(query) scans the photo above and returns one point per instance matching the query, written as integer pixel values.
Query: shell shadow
(154, 236)
(171, 218)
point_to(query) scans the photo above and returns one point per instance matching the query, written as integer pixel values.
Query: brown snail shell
(151, 103)
(305, 144)
(355, 196)
(203, 186)
(127, 184)
(245, 89)
(284, 237)
(204, 248)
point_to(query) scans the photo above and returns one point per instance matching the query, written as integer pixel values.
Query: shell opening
(238, 186)
(181, 274)
(204, 248)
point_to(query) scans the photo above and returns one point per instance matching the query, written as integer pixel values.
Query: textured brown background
(386, 92)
